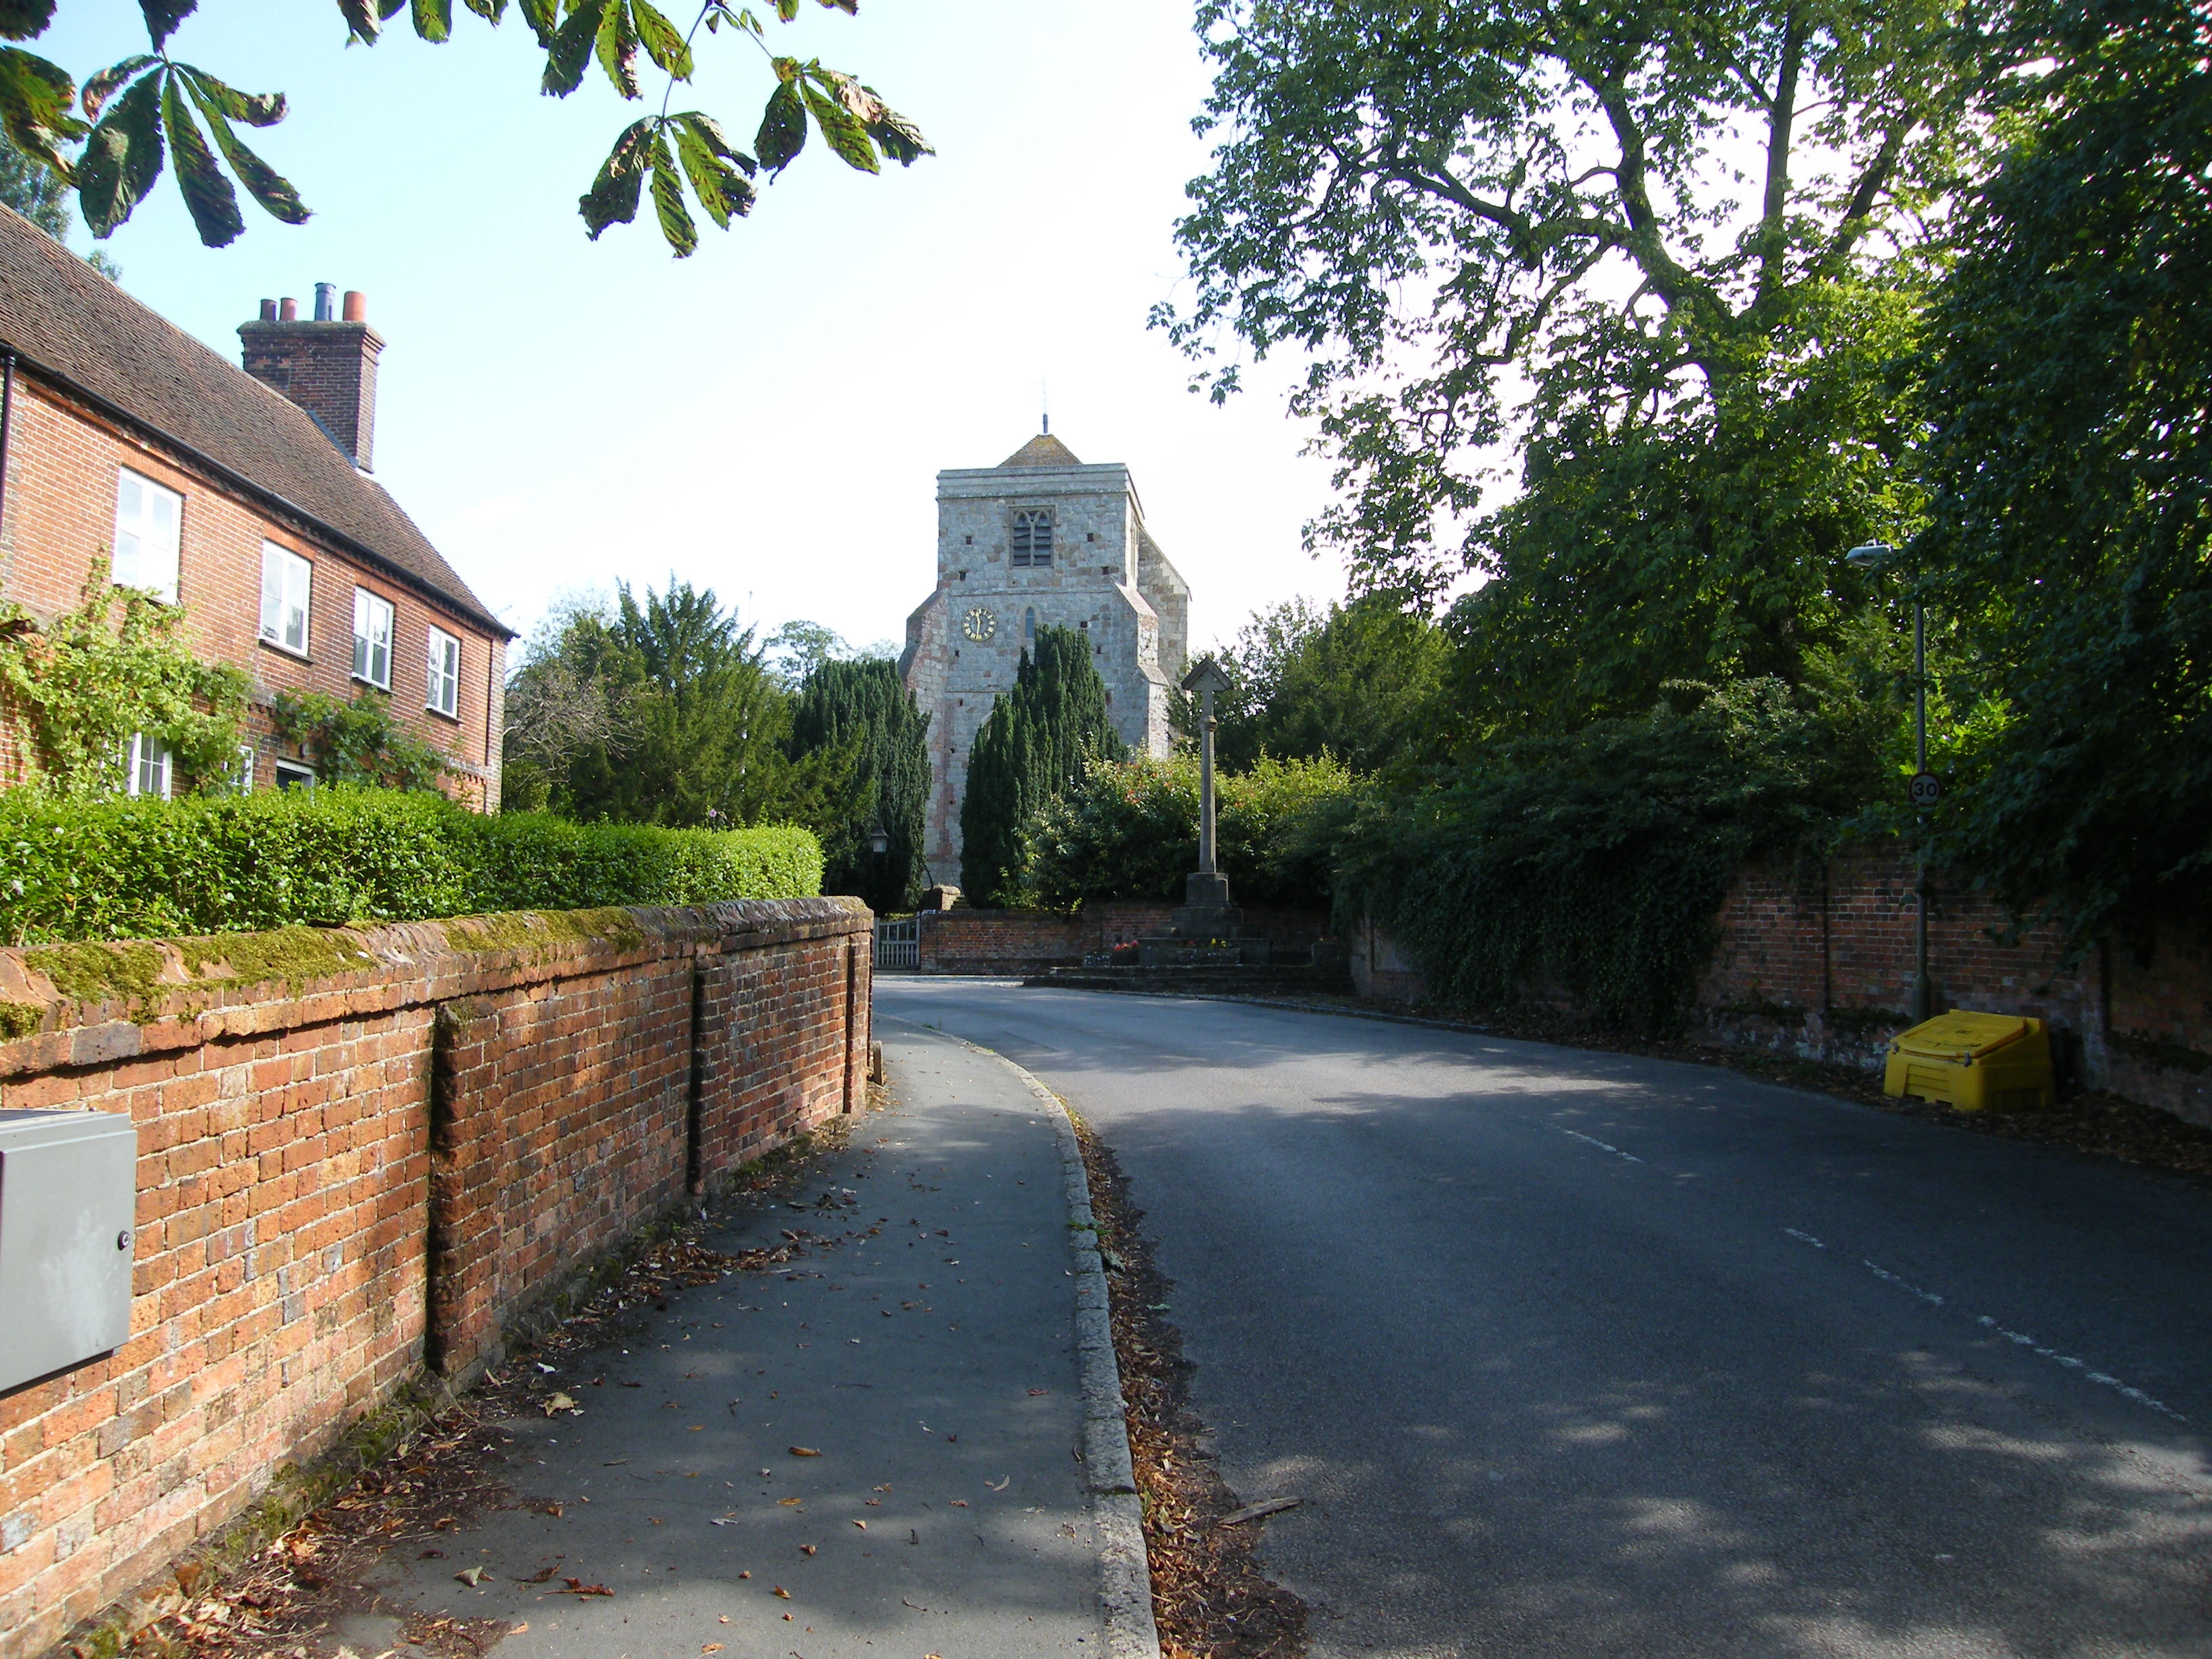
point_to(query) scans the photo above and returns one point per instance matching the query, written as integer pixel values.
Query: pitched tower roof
(1043, 450)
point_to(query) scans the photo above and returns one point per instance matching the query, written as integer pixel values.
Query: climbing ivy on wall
(1594, 864)
(76, 690)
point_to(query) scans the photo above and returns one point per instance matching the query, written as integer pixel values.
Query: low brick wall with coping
(1022, 942)
(364, 1156)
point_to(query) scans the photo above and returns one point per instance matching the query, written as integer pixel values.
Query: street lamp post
(1879, 555)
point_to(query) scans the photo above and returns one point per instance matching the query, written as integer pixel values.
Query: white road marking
(1928, 1297)
(2072, 1363)
(1602, 1145)
(2025, 1341)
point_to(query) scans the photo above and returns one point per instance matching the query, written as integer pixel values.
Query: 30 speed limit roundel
(979, 624)
(1925, 789)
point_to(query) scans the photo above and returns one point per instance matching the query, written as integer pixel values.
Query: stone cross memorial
(1205, 680)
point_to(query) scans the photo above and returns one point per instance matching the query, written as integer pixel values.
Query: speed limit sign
(1925, 789)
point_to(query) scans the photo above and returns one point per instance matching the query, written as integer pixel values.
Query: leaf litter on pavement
(280, 1601)
(1210, 1599)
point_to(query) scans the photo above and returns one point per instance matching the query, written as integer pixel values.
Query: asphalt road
(1579, 1354)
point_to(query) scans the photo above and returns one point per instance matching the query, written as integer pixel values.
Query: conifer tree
(864, 707)
(1037, 742)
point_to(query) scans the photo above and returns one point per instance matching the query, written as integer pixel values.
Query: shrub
(1131, 831)
(140, 869)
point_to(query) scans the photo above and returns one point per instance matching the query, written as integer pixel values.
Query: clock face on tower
(979, 624)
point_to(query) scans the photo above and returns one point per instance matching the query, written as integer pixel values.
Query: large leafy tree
(1361, 680)
(660, 710)
(2070, 468)
(865, 709)
(1038, 741)
(1654, 243)
(149, 111)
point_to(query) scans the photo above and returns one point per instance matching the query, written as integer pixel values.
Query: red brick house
(242, 495)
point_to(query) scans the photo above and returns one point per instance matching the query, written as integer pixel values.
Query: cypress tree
(1037, 742)
(865, 705)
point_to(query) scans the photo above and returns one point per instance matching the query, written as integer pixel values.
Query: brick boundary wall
(1821, 966)
(1010, 942)
(352, 1177)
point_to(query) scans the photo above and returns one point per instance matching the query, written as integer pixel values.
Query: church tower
(1038, 541)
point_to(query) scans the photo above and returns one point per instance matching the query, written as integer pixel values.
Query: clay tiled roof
(68, 324)
(1043, 450)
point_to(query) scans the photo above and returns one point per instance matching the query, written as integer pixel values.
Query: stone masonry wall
(361, 1154)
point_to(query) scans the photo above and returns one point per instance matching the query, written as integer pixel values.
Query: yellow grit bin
(1974, 1062)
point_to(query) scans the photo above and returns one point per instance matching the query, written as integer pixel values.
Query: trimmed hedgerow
(148, 869)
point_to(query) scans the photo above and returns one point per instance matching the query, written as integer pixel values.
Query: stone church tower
(1038, 541)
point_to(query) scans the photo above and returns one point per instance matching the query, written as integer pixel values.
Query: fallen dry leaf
(537, 1577)
(807, 1549)
(782, 1594)
(789, 1503)
(712, 1647)
(471, 1576)
(1002, 1485)
(1036, 1391)
(522, 1629)
(862, 1525)
(578, 1587)
(959, 1503)
(805, 1451)
(559, 1402)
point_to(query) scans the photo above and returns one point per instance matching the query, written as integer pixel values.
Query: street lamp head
(1871, 556)
(879, 841)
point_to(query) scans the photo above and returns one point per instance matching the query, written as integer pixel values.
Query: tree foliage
(1595, 863)
(77, 689)
(149, 112)
(2071, 473)
(1623, 204)
(1361, 680)
(864, 709)
(1037, 741)
(1129, 830)
(661, 710)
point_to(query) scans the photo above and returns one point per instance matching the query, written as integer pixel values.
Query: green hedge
(148, 869)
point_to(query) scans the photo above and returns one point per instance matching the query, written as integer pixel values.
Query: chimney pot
(268, 311)
(329, 371)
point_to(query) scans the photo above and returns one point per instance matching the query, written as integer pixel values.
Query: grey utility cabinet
(69, 1199)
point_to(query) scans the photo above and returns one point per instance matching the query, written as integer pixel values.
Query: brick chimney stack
(327, 367)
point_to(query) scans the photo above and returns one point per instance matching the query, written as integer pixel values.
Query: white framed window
(372, 638)
(291, 774)
(286, 578)
(445, 688)
(150, 765)
(241, 779)
(148, 523)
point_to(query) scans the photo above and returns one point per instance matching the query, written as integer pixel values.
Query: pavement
(1573, 1354)
(931, 1368)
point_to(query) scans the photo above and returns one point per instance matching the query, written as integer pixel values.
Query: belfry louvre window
(1033, 538)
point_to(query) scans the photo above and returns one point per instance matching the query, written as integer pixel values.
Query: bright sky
(767, 417)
